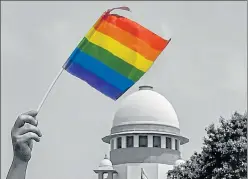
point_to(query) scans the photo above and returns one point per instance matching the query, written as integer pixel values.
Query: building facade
(145, 140)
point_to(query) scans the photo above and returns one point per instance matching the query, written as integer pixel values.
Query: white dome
(146, 107)
(105, 163)
(179, 162)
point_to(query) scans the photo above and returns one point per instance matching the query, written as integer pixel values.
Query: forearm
(17, 169)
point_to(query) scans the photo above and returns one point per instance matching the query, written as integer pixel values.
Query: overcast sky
(202, 73)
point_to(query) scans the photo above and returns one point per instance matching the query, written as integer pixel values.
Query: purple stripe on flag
(94, 81)
(100, 69)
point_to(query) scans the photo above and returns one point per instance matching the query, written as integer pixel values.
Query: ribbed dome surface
(146, 107)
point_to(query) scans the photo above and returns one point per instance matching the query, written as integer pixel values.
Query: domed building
(145, 138)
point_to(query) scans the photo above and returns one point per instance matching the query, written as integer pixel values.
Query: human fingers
(31, 113)
(30, 144)
(27, 137)
(24, 118)
(29, 128)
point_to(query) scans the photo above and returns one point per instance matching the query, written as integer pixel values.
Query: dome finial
(105, 157)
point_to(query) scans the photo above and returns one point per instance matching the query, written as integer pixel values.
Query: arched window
(157, 141)
(129, 141)
(168, 142)
(143, 141)
(176, 144)
(105, 175)
(119, 142)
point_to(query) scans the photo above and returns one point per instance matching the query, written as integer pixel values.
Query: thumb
(32, 113)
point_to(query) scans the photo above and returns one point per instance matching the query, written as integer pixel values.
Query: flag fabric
(143, 175)
(115, 54)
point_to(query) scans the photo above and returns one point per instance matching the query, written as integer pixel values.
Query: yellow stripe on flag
(119, 50)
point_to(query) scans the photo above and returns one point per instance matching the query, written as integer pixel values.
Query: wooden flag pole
(49, 89)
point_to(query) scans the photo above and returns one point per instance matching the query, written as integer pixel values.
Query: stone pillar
(114, 142)
(123, 142)
(110, 175)
(163, 141)
(150, 140)
(173, 143)
(136, 140)
(100, 175)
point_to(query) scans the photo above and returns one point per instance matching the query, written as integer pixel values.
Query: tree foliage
(223, 155)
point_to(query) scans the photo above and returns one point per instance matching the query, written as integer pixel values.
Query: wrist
(17, 169)
(18, 162)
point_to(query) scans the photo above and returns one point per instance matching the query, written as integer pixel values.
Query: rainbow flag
(115, 54)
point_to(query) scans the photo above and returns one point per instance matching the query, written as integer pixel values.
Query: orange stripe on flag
(138, 31)
(128, 40)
